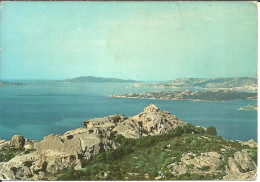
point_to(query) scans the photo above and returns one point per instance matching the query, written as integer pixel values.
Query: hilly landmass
(235, 83)
(208, 95)
(152, 145)
(5, 83)
(97, 80)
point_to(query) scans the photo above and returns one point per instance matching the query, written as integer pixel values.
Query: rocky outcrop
(54, 153)
(152, 121)
(206, 163)
(19, 167)
(241, 167)
(39, 160)
(58, 152)
(17, 141)
(78, 142)
(34, 166)
(4, 143)
(156, 122)
(251, 143)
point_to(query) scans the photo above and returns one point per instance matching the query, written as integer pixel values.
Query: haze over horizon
(146, 41)
(118, 78)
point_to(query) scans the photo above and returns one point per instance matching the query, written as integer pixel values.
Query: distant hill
(208, 95)
(97, 79)
(234, 83)
(215, 82)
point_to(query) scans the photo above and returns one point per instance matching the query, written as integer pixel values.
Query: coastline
(179, 99)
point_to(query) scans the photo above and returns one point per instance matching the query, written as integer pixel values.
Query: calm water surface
(42, 108)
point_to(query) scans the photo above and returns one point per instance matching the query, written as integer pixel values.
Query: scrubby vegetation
(254, 154)
(8, 153)
(146, 158)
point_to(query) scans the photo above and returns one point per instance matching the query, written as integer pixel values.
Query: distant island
(248, 107)
(234, 83)
(97, 80)
(5, 83)
(217, 95)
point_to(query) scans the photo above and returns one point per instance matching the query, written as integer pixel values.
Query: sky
(128, 40)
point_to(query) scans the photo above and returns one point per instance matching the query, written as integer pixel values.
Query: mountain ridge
(97, 79)
(229, 83)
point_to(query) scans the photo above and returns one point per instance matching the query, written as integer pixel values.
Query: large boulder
(35, 166)
(156, 122)
(17, 141)
(241, 167)
(79, 142)
(251, 143)
(18, 167)
(208, 159)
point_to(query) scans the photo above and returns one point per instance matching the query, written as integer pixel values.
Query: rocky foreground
(151, 145)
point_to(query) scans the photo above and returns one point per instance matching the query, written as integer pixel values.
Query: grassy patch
(7, 153)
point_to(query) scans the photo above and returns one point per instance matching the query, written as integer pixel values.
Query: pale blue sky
(129, 40)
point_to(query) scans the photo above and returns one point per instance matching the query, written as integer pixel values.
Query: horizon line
(15, 79)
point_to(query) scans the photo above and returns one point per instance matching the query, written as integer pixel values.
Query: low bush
(254, 154)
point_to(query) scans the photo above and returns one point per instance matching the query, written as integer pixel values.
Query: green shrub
(254, 154)
(189, 128)
(190, 166)
(200, 130)
(211, 130)
(205, 168)
(101, 157)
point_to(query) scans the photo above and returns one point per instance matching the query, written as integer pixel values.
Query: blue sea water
(41, 108)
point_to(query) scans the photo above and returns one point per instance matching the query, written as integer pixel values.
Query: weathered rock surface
(251, 143)
(152, 121)
(241, 167)
(4, 143)
(14, 168)
(78, 142)
(55, 153)
(195, 164)
(17, 141)
(58, 152)
(34, 166)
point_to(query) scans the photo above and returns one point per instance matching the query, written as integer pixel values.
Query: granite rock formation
(241, 167)
(41, 160)
(152, 121)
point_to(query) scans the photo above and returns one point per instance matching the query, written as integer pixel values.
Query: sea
(41, 108)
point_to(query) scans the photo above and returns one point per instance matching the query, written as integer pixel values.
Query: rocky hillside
(234, 83)
(151, 145)
(152, 121)
(208, 95)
